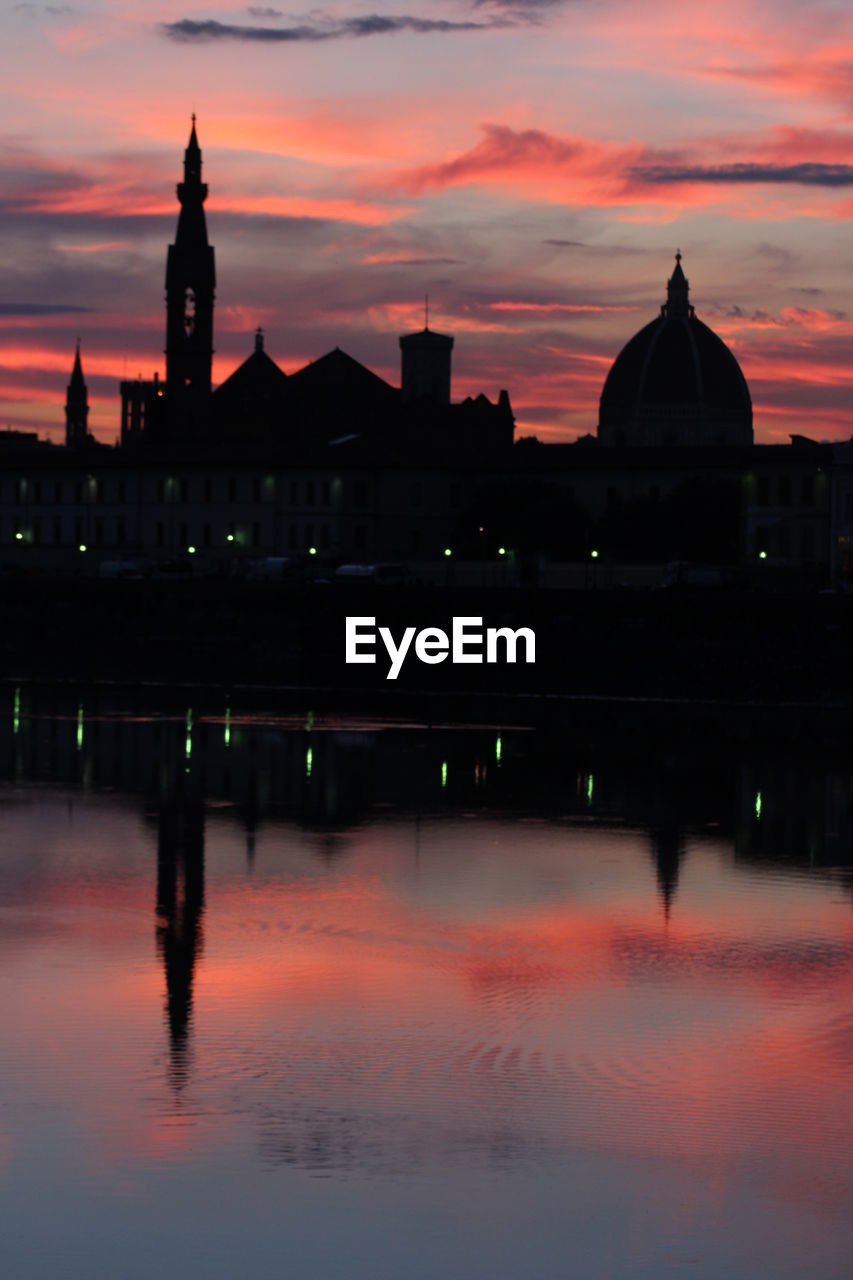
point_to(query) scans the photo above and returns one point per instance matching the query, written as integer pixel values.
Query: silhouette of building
(675, 383)
(332, 460)
(190, 286)
(77, 407)
(140, 400)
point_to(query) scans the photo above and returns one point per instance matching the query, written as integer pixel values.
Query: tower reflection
(179, 915)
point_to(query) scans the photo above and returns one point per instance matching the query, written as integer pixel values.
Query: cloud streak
(210, 31)
(806, 173)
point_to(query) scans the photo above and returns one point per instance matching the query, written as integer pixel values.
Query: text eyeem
(467, 643)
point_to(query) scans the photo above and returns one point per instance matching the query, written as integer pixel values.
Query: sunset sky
(532, 164)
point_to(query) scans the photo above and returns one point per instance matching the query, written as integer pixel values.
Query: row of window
(80, 532)
(785, 489)
(307, 493)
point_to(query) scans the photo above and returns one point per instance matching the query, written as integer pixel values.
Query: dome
(675, 383)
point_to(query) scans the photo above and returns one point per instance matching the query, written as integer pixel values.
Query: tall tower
(190, 284)
(76, 406)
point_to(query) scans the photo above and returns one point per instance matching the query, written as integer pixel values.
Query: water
(315, 997)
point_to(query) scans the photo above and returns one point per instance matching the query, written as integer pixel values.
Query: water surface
(324, 998)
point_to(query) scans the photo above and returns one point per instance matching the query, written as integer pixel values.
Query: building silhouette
(333, 461)
(77, 407)
(190, 287)
(675, 383)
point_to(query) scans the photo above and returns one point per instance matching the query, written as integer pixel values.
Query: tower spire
(678, 291)
(190, 285)
(76, 405)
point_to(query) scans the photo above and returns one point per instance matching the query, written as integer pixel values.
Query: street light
(448, 551)
(762, 555)
(593, 555)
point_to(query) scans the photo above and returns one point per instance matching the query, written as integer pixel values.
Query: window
(207, 489)
(785, 491)
(159, 533)
(807, 491)
(57, 532)
(206, 535)
(455, 493)
(848, 508)
(182, 535)
(327, 494)
(309, 535)
(37, 491)
(807, 541)
(185, 490)
(256, 534)
(361, 536)
(99, 533)
(232, 489)
(309, 493)
(122, 491)
(762, 496)
(293, 540)
(36, 532)
(294, 493)
(256, 489)
(57, 491)
(362, 493)
(324, 536)
(120, 536)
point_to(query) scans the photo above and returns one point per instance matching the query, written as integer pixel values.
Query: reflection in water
(180, 904)
(435, 1001)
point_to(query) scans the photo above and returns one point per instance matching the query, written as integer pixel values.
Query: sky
(532, 165)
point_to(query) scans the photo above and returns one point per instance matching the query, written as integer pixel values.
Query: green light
(312, 551)
(498, 750)
(444, 773)
(188, 746)
(501, 551)
(762, 555)
(593, 555)
(448, 551)
(80, 727)
(82, 547)
(228, 726)
(590, 787)
(229, 537)
(758, 805)
(16, 712)
(191, 551)
(309, 762)
(19, 537)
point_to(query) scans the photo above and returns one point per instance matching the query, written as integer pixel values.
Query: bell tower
(190, 285)
(76, 407)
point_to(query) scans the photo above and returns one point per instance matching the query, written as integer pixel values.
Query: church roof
(675, 362)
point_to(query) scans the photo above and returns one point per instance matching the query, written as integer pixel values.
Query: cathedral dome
(675, 383)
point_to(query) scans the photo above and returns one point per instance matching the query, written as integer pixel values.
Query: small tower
(76, 407)
(190, 285)
(426, 365)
